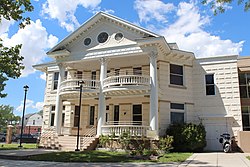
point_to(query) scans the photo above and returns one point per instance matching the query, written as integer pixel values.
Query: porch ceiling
(113, 62)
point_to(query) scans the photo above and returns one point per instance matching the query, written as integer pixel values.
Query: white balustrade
(129, 127)
(72, 84)
(122, 80)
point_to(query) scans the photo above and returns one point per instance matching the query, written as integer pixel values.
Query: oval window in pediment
(102, 37)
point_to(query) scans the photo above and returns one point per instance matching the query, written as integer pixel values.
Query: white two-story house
(133, 79)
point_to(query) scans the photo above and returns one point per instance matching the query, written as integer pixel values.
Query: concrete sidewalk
(217, 159)
(9, 158)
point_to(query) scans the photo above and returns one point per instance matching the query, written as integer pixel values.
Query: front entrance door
(116, 114)
(137, 114)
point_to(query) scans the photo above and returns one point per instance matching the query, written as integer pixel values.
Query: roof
(93, 21)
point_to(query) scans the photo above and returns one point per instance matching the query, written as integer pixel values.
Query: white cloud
(43, 76)
(5, 25)
(35, 40)
(64, 11)
(153, 9)
(30, 104)
(188, 31)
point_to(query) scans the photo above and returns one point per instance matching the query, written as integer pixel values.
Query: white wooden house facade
(134, 80)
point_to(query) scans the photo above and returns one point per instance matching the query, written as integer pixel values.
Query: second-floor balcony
(126, 84)
(113, 84)
(71, 86)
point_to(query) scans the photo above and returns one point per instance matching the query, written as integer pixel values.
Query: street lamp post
(26, 87)
(78, 124)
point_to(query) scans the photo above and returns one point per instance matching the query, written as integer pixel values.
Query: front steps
(68, 143)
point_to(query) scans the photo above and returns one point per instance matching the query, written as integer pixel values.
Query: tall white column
(58, 112)
(153, 92)
(101, 104)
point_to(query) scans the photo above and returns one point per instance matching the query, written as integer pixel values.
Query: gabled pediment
(100, 32)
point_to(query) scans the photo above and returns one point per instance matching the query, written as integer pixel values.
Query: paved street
(214, 159)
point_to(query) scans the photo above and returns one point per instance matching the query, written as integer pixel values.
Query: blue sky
(188, 23)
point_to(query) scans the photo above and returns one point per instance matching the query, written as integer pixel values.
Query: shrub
(165, 143)
(188, 137)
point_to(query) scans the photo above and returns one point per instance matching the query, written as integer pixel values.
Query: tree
(10, 60)
(219, 5)
(7, 116)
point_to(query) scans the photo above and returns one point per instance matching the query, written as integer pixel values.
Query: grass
(104, 156)
(15, 146)
(174, 157)
(248, 157)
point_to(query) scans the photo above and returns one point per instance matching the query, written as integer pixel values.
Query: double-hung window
(52, 115)
(55, 79)
(92, 115)
(177, 113)
(176, 74)
(210, 86)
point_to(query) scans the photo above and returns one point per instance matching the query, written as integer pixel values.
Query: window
(176, 74)
(117, 71)
(244, 81)
(76, 117)
(116, 114)
(52, 115)
(177, 113)
(93, 78)
(63, 118)
(65, 74)
(137, 114)
(87, 41)
(137, 71)
(245, 110)
(79, 75)
(52, 119)
(210, 86)
(92, 115)
(118, 36)
(56, 76)
(102, 37)
(34, 122)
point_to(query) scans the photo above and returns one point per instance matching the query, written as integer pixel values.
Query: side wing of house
(217, 97)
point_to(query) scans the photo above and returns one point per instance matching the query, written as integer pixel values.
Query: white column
(101, 104)
(58, 112)
(153, 92)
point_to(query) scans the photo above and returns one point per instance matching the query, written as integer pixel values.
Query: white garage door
(213, 134)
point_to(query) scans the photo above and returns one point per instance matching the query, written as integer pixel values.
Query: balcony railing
(126, 80)
(72, 85)
(133, 128)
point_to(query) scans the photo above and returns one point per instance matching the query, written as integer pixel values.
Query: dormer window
(102, 37)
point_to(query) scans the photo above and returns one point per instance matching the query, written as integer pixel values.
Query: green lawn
(15, 146)
(104, 156)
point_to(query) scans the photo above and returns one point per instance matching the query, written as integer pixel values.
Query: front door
(137, 114)
(116, 114)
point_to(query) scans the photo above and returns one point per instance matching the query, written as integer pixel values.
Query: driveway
(217, 159)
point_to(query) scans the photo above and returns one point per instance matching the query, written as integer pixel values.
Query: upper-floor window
(176, 74)
(244, 81)
(55, 80)
(210, 86)
(34, 122)
(177, 113)
(137, 71)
